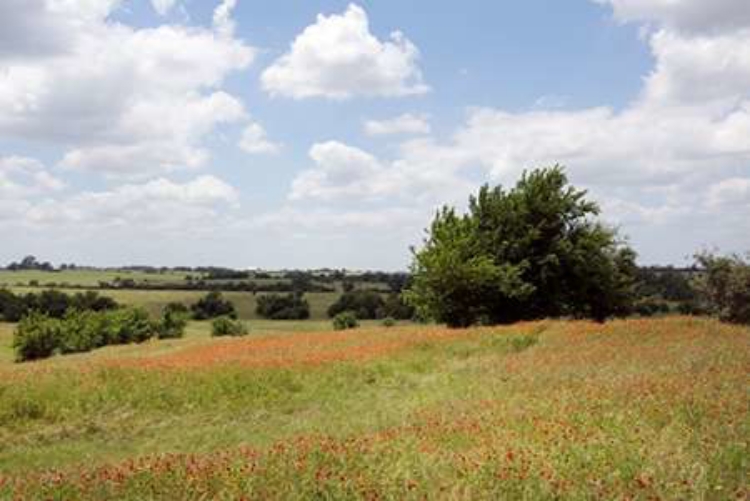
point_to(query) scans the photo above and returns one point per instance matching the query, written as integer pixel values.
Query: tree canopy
(536, 250)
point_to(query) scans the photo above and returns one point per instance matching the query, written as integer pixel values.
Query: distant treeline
(51, 303)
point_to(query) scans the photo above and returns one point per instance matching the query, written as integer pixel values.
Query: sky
(322, 133)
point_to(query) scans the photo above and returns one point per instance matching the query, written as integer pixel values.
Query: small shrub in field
(389, 322)
(131, 325)
(226, 326)
(36, 336)
(172, 324)
(283, 307)
(213, 305)
(345, 320)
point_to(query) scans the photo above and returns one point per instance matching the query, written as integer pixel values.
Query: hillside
(637, 409)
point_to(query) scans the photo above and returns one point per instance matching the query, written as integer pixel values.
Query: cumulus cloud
(163, 6)
(338, 58)
(255, 141)
(156, 204)
(684, 15)
(22, 177)
(402, 124)
(424, 172)
(128, 101)
(669, 159)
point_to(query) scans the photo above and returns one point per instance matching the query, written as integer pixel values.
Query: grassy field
(85, 278)
(154, 301)
(632, 409)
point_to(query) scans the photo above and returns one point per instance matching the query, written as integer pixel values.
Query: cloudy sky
(324, 133)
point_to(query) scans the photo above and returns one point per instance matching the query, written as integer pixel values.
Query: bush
(213, 305)
(40, 336)
(36, 336)
(173, 322)
(649, 307)
(226, 326)
(365, 304)
(131, 325)
(52, 303)
(724, 285)
(389, 322)
(286, 307)
(83, 331)
(345, 320)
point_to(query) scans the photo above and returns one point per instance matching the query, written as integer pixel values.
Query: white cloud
(423, 173)
(223, 22)
(674, 158)
(157, 204)
(684, 15)
(730, 192)
(402, 124)
(163, 6)
(22, 177)
(125, 100)
(338, 58)
(255, 141)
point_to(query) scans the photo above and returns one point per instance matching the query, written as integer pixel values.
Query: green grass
(85, 278)
(637, 409)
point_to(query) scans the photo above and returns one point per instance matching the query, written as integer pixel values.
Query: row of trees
(53, 303)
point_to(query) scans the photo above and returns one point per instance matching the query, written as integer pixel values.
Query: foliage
(345, 320)
(227, 326)
(365, 304)
(389, 322)
(724, 285)
(39, 336)
(36, 336)
(52, 303)
(283, 307)
(530, 252)
(213, 305)
(173, 322)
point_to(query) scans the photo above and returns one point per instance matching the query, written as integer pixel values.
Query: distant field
(631, 409)
(88, 278)
(154, 301)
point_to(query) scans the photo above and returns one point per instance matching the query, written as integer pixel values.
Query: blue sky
(322, 133)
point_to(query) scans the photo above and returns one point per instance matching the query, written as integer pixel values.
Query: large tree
(533, 251)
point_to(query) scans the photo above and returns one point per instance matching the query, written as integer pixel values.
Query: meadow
(630, 409)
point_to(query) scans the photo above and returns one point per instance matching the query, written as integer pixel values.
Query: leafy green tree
(529, 252)
(724, 285)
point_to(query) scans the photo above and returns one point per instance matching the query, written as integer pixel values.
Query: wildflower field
(630, 409)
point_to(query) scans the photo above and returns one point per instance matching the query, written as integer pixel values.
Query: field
(85, 278)
(633, 409)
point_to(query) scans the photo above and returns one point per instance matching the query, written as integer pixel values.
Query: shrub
(172, 324)
(395, 307)
(366, 304)
(345, 320)
(36, 336)
(213, 305)
(83, 331)
(283, 307)
(724, 285)
(227, 326)
(131, 325)
(389, 322)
